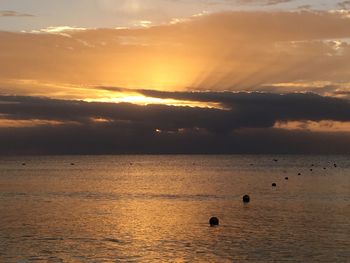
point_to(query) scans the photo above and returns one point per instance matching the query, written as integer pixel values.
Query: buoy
(299, 173)
(72, 164)
(335, 165)
(274, 184)
(286, 178)
(246, 198)
(24, 164)
(214, 221)
(310, 170)
(324, 168)
(275, 160)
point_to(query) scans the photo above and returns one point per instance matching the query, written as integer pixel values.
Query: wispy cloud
(263, 2)
(59, 29)
(11, 13)
(344, 5)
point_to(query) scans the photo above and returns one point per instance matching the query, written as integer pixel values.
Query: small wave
(51, 239)
(113, 240)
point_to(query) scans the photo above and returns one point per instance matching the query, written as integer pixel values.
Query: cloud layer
(249, 126)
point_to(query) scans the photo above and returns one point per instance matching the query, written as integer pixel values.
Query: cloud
(264, 2)
(344, 5)
(82, 127)
(10, 13)
(84, 139)
(226, 51)
(249, 109)
(59, 29)
(231, 2)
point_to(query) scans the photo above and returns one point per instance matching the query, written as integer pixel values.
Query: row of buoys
(214, 221)
(324, 168)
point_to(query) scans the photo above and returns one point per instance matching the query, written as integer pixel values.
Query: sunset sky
(152, 76)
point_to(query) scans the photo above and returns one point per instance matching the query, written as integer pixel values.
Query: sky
(174, 76)
(41, 14)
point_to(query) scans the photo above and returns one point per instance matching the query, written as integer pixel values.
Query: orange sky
(265, 51)
(270, 51)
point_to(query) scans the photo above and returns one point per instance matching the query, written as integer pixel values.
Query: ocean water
(156, 208)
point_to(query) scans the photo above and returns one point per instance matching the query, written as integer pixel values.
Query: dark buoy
(274, 184)
(214, 221)
(24, 164)
(299, 173)
(246, 199)
(275, 160)
(72, 164)
(335, 165)
(286, 178)
(324, 168)
(310, 170)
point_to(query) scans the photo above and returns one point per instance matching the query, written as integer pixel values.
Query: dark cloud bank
(246, 128)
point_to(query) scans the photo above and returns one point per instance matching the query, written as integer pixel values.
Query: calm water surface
(156, 209)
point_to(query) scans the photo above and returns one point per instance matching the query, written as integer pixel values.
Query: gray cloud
(258, 110)
(10, 13)
(247, 128)
(84, 139)
(344, 4)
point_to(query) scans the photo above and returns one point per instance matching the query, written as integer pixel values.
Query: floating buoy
(286, 178)
(299, 173)
(310, 170)
(24, 164)
(72, 164)
(275, 160)
(335, 165)
(246, 198)
(274, 184)
(214, 221)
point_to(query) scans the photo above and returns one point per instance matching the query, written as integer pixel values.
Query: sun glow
(8, 123)
(144, 100)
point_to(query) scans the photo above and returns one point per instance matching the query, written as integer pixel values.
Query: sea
(156, 208)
